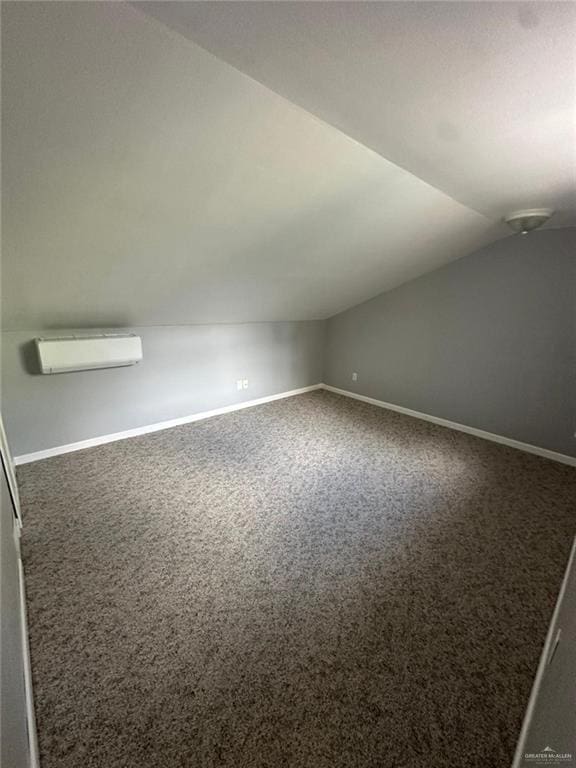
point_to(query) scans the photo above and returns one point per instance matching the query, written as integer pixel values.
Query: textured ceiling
(146, 181)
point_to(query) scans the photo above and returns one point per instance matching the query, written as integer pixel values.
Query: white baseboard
(26, 458)
(101, 440)
(526, 447)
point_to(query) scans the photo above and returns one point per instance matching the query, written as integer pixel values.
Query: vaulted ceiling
(231, 162)
(478, 99)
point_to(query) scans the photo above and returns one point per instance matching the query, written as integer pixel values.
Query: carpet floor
(311, 583)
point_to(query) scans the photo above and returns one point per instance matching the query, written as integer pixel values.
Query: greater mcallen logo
(548, 756)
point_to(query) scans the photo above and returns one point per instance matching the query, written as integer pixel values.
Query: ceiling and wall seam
(477, 99)
(148, 181)
(138, 7)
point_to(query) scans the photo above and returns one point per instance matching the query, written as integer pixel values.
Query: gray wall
(488, 341)
(185, 370)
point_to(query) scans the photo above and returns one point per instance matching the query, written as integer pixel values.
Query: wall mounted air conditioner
(83, 353)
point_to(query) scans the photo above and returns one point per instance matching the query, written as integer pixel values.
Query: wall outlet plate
(354, 376)
(239, 384)
(245, 383)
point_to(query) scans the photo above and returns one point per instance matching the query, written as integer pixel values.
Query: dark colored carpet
(313, 583)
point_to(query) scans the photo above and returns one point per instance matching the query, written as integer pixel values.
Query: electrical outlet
(245, 383)
(239, 384)
(354, 376)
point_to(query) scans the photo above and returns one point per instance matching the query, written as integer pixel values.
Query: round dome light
(526, 221)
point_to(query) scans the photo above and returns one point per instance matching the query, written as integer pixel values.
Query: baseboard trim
(92, 442)
(520, 446)
(157, 427)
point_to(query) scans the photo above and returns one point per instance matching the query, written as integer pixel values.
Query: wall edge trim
(543, 662)
(30, 711)
(92, 442)
(201, 415)
(546, 453)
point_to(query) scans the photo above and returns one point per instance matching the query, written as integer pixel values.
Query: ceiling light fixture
(526, 221)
